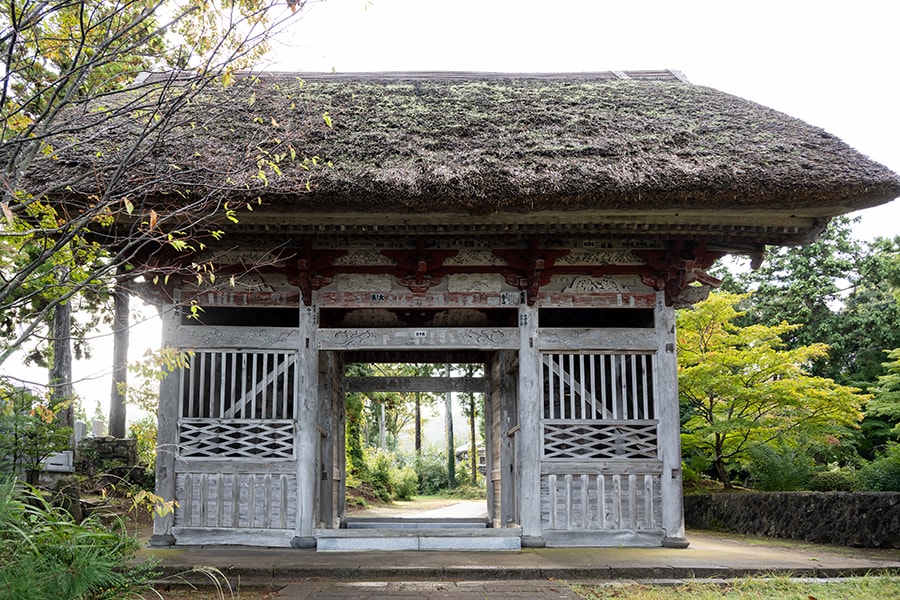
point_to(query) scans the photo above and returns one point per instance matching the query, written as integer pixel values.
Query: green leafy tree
(741, 387)
(28, 433)
(67, 71)
(886, 401)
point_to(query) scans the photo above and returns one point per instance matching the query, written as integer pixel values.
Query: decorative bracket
(419, 269)
(673, 270)
(530, 268)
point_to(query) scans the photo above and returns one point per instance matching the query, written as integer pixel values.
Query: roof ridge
(654, 75)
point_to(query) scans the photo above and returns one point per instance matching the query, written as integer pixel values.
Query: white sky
(832, 64)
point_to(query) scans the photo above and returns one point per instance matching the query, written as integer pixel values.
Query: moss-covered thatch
(488, 145)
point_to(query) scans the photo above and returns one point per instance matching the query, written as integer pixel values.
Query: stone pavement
(532, 574)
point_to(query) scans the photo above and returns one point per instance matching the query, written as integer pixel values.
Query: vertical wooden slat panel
(220, 500)
(632, 500)
(551, 410)
(581, 374)
(601, 501)
(187, 503)
(585, 501)
(232, 404)
(634, 387)
(204, 500)
(645, 390)
(254, 386)
(285, 372)
(251, 500)
(191, 371)
(649, 518)
(614, 388)
(203, 394)
(569, 500)
(617, 501)
(235, 500)
(593, 366)
(560, 375)
(267, 511)
(265, 385)
(551, 485)
(244, 372)
(623, 391)
(571, 374)
(282, 506)
(604, 410)
(222, 375)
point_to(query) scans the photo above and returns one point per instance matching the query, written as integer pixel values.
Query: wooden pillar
(307, 430)
(167, 433)
(529, 436)
(669, 426)
(507, 431)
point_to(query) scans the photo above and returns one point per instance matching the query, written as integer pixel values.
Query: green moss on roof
(502, 144)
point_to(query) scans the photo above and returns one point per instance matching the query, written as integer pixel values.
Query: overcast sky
(832, 64)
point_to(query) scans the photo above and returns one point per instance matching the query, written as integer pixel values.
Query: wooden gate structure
(546, 226)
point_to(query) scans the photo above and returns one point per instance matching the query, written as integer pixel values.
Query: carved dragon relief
(586, 283)
(484, 337)
(581, 339)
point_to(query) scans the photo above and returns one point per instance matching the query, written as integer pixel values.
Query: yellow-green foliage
(741, 388)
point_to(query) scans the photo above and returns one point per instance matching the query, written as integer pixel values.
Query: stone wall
(865, 519)
(99, 452)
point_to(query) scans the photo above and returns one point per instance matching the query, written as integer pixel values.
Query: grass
(859, 588)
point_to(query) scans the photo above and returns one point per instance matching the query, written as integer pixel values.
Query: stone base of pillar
(533, 541)
(162, 540)
(303, 542)
(675, 542)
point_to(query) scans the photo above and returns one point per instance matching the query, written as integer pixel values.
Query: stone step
(410, 523)
(387, 539)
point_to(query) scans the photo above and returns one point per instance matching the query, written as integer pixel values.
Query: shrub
(45, 554)
(144, 431)
(378, 467)
(405, 482)
(431, 467)
(780, 469)
(883, 473)
(835, 480)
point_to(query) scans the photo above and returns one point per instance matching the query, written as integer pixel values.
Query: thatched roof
(495, 148)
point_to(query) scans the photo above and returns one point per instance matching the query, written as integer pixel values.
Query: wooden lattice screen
(600, 467)
(237, 440)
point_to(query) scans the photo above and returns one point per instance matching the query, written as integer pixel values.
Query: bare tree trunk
(60, 374)
(120, 360)
(451, 449)
(473, 459)
(381, 440)
(418, 423)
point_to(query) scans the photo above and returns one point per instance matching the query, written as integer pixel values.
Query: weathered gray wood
(307, 430)
(276, 538)
(669, 425)
(417, 300)
(595, 300)
(530, 400)
(509, 415)
(607, 467)
(238, 338)
(611, 339)
(428, 338)
(239, 466)
(477, 385)
(167, 435)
